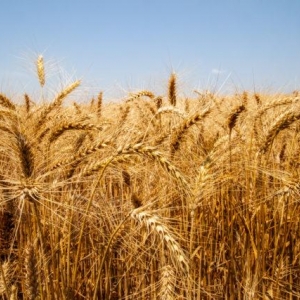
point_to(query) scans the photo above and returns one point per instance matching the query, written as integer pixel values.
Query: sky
(123, 46)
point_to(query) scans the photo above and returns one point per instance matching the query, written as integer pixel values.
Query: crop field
(152, 197)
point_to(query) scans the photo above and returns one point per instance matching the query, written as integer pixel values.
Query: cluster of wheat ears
(153, 197)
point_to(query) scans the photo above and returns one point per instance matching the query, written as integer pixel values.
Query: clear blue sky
(126, 44)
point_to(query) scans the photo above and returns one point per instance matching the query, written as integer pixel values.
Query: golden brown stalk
(4, 101)
(282, 122)
(99, 104)
(31, 273)
(40, 70)
(172, 89)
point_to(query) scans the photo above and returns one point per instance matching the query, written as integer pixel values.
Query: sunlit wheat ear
(156, 225)
(172, 96)
(40, 70)
(31, 273)
(154, 154)
(57, 132)
(233, 117)
(170, 109)
(6, 102)
(178, 134)
(75, 159)
(284, 121)
(26, 155)
(56, 103)
(167, 283)
(137, 95)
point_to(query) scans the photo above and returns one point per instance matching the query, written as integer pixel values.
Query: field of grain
(153, 197)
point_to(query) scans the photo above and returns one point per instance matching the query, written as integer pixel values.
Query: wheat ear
(154, 154)
(57, 102)
(71, 126)
(25, 154)
(232, 119)
(99, 104)
(283, 121)
(4, 101)
(27, 103)
(74, 160)
(172, 89)
(40, 70)
(137, 95)
(178, 134)
(156, 224)
(167, 283)
(5, 278)
(31, 273)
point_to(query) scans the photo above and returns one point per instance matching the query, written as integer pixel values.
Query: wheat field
(153, 197)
